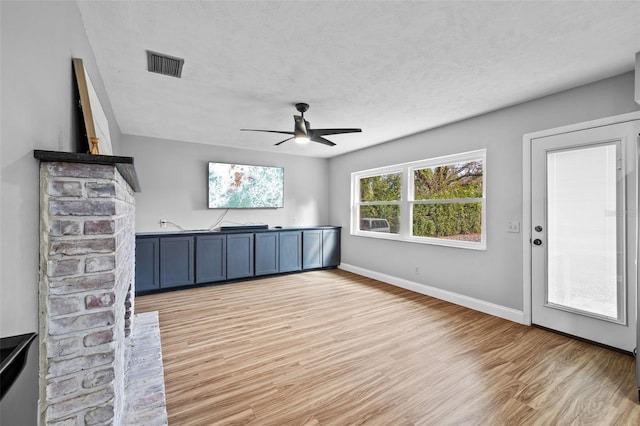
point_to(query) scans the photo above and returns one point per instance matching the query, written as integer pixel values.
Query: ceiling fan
(302, 133)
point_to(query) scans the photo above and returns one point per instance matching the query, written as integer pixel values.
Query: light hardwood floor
(334, 348)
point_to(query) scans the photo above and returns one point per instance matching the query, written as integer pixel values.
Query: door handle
(537, 242)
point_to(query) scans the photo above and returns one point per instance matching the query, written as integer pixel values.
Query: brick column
(87, 242)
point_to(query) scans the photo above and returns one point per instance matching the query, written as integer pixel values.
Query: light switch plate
(513, 226)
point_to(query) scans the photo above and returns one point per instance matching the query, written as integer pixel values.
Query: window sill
(482, 246)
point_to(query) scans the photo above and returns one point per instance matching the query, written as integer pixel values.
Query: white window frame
(407, 202)
(355, 200)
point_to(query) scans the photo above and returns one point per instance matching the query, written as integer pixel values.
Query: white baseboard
(448, 296)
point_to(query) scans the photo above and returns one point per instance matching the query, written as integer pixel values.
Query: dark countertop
(233, 231)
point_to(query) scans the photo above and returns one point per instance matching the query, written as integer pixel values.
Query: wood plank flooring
(334, 348)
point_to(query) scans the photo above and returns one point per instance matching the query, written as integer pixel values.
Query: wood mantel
(123, 164)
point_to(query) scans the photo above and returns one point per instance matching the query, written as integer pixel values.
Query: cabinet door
(239, 256)
(267, 253)
(211, 258)
(330, 247)
(311, 249)
(176, 261)
(147, 264)
(290, 251)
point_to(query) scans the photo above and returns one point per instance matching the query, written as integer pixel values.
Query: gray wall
(494, 275)
(173, 178)
(38, 112)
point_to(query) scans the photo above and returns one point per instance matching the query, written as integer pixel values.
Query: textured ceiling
(392, 68)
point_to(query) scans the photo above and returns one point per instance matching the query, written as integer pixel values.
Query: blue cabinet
(278, 252)
(166, 261)
(312, 249)
(267, 253)
(176, 261)
(290, 251)
(330, 247)
(147, 264)
(239, 255)
(211, 258)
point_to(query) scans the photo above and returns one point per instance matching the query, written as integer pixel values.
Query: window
(379, 202)
(435, 201)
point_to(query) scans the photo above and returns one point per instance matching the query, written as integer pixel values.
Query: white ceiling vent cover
(164, 64)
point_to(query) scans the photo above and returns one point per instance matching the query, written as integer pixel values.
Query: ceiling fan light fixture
(302, 139)
(301, 134)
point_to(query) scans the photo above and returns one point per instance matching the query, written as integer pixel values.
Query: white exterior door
(584, 233)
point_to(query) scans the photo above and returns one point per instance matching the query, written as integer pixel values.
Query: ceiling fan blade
(324, 132)
(288, 139)
(267, 131)
(320, 139)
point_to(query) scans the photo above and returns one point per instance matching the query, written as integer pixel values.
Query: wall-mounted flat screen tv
(241, 186)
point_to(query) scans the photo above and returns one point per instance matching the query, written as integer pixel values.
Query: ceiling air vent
(164, 64)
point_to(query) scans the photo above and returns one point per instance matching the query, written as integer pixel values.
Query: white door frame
(526, 196)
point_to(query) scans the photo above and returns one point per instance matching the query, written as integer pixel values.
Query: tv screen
(240, 186)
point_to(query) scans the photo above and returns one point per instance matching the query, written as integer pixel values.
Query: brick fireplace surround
(99, 363)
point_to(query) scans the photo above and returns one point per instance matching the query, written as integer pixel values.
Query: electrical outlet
(513, 226)
(163, 223)
(417, 270)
